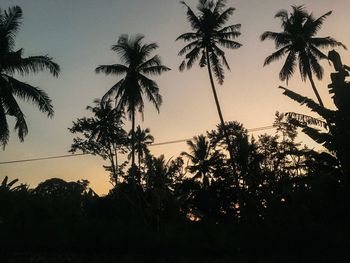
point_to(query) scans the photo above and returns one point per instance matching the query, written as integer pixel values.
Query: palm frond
(318, 53)
(276, 55)
(326, 42)
(314, 25)
(36, 64)
(29, 93)
(224, 16)
(230, 28)
(146, 50)
(304, 65)
(220, 53)
(11, 23)
(151, 90)
(280, 39)
(228, 35)
(12, 108)
(154, 61)
(191, 17)
(115, 88)
(182, 65)
(203, 60)
(192, 57)
(155, 70)
(217, 68)
(187, 36)
(4, 128)
(229, 43)
(315, 66)
(288, 67)
(188, 47)
(220, 4)
(282, 14)
(116, 69)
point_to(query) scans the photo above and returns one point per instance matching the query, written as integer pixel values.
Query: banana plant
(336, 135)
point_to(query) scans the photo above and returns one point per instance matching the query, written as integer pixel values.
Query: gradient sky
(78, 35)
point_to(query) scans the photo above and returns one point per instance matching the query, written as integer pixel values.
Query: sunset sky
(78, 35)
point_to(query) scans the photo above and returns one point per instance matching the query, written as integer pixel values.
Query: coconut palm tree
(298, 41)
(143, 139)
(203, 159)
(206, 41)
(11, 62)
(137, 66)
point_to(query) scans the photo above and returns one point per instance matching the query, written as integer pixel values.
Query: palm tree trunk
(214, 91)
(133, 136)
(116, 165)
(315, 89)
(139, 159)
(319, 99)
(112, 164)
(220, 114)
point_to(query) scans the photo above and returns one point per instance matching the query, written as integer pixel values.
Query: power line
(43, 158)
(184, 140)
(168, 142)
(261, 128)
(153, 144)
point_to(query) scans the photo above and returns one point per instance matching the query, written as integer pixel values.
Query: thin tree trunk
(133, 137)
(319, 99)
(214, 92)
(139, 159)
(315, 89)
(112, 163)
(116, 165)
(220, 115)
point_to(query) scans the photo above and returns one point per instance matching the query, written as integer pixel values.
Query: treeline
(289, 202)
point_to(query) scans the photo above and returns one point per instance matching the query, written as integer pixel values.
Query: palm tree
(137, 66)
(210, 33)
(143, 139)
(12, 62)
(202, 157)
(299, 43)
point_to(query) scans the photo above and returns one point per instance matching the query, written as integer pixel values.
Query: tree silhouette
(143, 139)
(12, 62)
(137, 66)
(210, 33)
(8, 186)
(102, 134)
(299, 43)
(203, 159)
(336, 138)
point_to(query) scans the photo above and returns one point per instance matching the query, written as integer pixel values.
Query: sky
(78, 35)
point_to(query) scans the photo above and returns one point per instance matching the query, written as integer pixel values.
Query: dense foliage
(289, 203)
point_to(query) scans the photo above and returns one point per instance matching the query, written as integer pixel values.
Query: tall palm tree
(137, 66)
(205, 42)
(202, 157)
(143, 139)
(12, 62)
(298, 41)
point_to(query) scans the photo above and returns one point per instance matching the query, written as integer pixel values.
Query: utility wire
(153, 144)
(184, 140)
(43, 158)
